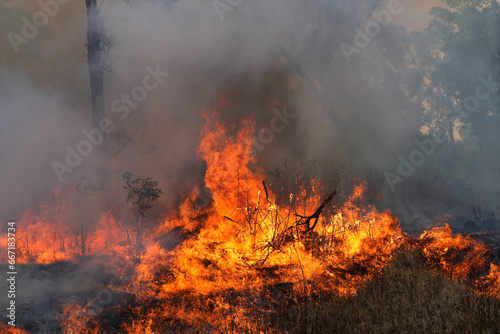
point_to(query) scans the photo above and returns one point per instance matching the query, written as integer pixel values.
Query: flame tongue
(228, 157)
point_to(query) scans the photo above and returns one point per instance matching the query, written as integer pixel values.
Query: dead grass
(405, 298)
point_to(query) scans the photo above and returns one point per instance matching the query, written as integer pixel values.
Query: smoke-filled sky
(44, 88)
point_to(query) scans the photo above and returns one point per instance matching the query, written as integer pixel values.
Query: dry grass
(405, 298)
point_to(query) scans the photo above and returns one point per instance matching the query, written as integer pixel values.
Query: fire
(76, 318)
(248, 244)
(490, 284)
(459, 256)
(463, 258)
(246, 253)
(7, 329)
(44, 238)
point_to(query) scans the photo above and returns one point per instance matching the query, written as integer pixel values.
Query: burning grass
(251, 263)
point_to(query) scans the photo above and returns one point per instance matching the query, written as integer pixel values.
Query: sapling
(142, 193)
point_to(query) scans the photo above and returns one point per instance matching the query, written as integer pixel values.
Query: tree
(141, 193)
(460, 46)
(85, 192)
(96, 47)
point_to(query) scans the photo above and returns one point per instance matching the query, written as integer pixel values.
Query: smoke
(33, 124)
(356, 116)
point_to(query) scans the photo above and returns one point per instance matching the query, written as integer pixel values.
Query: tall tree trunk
(96, 70)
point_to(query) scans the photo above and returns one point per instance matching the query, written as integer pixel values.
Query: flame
(225, 265)
(462, 258)
(248, 243)
(43, 238)
(490, 284)
(459, 256)
(8, 329)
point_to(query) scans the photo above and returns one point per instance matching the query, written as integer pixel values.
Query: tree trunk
(96, 70)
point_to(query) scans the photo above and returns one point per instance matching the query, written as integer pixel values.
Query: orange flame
(246, 252)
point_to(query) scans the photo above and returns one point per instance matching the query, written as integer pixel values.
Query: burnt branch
(316, 214)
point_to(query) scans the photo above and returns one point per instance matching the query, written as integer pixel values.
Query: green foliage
(141, 193)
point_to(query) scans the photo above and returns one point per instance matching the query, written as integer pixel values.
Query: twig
(234, 221)
(316, 214)
(301, 268)
(265, 189)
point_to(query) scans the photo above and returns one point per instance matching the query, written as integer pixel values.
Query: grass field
(408, 297)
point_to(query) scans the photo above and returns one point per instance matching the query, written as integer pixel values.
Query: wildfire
(246, 253)
(45, 237)
(462, 258)
(459, 256)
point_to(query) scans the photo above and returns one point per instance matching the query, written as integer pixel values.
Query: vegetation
(85, 190)
(401, 89)
(408, 297)
(141, 193)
